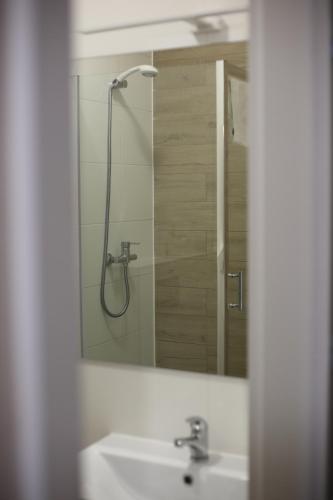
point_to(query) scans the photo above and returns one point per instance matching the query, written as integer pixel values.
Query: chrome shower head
(144, 69)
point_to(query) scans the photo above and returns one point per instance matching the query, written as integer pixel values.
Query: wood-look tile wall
(185, 204)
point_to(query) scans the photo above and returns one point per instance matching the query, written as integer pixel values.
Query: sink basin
(129, 468)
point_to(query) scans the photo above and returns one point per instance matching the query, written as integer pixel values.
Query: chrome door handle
(239, 304)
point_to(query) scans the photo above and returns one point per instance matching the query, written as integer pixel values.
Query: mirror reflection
(162, 166)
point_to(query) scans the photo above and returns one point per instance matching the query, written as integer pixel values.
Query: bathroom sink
(121, 467)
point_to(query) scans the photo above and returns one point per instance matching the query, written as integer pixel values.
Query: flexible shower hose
(106, 225)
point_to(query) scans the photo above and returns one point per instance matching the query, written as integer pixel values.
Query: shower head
(144, 69)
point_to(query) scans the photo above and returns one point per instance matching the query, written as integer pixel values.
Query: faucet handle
(128, 244)
(132, 256)
(198, 425)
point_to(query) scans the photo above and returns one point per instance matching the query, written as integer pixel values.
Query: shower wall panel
(130, 338)
(185, 204)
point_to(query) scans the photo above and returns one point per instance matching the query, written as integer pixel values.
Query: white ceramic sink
(121, 467)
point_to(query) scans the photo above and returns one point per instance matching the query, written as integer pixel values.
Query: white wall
(182, 33)
(130, 338)
(106, 27)
(290, 207)
(89, 15)
(154, 403)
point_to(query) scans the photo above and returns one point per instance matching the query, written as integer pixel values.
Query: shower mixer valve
(126, 256)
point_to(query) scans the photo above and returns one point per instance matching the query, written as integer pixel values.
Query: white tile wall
(93, 133)
(131, 193)
(130, 338)
(137, 136)
(139, 231)
(154, 403)
(99, 328)
(109, 65)
(138, 93)
(124, 349)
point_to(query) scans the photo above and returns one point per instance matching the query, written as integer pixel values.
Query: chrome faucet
(126, 256)
(197, 441)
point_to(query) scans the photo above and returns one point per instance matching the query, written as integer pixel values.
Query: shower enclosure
(158, 172)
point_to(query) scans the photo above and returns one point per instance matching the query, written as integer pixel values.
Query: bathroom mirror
(162, 165)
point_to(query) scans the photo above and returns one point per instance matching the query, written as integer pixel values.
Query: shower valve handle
(126, 245)
(126, 250)
(126, 255)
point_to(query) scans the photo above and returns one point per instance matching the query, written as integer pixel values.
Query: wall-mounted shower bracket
(119, 84)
